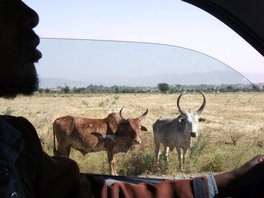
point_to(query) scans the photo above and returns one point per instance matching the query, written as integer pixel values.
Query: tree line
(160, 88)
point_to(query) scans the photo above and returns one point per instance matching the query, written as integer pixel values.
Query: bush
(137, 162)
(163, 87)
(8, 111)
(217, 164)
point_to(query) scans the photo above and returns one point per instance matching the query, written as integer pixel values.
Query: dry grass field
(233, 131)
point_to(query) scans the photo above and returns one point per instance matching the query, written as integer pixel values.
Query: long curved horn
(178, 103)
(143, 115)
(200, 110)
(120, 113)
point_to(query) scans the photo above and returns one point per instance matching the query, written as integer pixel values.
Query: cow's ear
(202, 119)
(143, 128)
(112, 124)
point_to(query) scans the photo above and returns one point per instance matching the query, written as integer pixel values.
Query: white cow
(177, 132)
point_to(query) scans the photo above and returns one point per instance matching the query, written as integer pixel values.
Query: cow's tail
(55, 151)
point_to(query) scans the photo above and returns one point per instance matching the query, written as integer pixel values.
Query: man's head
(18, 51)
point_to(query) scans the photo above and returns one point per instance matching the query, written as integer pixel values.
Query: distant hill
(210, 78)
(60, 82)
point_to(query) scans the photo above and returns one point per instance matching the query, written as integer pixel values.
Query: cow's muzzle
(137, 141)
(193, 134)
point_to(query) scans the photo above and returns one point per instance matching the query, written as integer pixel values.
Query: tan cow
(113, 134)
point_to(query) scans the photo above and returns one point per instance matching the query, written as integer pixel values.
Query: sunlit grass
(232, 134)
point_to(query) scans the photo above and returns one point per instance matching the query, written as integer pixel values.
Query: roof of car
(243, 16)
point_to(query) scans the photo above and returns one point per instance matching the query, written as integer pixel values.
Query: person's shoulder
(24, 126)
(18, 122)
(14, 119)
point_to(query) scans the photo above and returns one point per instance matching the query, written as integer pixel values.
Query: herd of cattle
(115, 134)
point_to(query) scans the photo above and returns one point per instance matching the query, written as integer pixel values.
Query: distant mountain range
(209, 78)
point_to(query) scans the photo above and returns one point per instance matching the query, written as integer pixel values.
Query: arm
(245, 181)
(166, 188)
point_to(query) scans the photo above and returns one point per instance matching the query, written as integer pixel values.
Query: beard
(18, 54)
(13, 85)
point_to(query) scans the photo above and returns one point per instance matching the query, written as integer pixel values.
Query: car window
(94, 78)
(174, 23)
(111, 63)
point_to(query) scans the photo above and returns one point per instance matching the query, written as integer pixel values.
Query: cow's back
(164, 131)
(83, 134)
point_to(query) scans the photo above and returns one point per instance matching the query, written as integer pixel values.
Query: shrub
(137, 162)
(8, 111)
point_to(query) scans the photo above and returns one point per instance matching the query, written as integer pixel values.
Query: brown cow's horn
(143, 115)
(120, 113)
(200, 110)
(178, 104)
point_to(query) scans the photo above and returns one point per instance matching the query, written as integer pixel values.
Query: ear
(202, 119)
(112, 124)
(143, 128)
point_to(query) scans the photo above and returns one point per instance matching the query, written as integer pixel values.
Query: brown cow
(113, 134)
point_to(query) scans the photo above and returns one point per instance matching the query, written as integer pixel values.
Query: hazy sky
(123, 63)
(170, 22)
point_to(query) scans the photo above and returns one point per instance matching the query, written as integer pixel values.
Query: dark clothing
(11, 145)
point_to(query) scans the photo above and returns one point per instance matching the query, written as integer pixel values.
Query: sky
(171, 22)
(128, 63)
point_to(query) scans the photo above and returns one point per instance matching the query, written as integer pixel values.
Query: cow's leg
(111, 162)
(63, 150)
(166, 153)
(114, 167)
(157, 151)
(178, 149)
(184, 155)
(67, 151)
